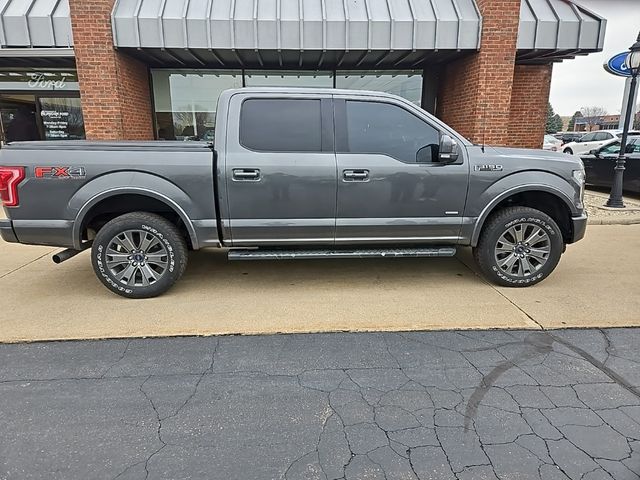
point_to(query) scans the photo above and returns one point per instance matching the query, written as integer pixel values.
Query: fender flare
(86, 207)
(488, 209)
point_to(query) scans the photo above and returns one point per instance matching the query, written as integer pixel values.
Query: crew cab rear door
(281, 169)
(385, 195)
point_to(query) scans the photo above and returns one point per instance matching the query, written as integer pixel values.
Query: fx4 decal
(59, 172)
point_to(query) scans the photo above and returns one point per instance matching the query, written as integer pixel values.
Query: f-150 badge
(488, 168)
(59, 172)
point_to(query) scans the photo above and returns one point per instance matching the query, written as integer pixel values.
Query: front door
(387, 192)
(281, 170)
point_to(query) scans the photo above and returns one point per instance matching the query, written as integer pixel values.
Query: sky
(583, 82)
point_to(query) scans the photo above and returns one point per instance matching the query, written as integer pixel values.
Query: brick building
(145, 69)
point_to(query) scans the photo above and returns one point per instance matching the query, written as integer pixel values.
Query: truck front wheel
(139, 255)
(518, 247)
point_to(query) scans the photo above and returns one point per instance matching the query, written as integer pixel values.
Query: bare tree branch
(592, 115)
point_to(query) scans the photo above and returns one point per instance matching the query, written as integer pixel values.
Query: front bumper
(6, 231)
(579, 227)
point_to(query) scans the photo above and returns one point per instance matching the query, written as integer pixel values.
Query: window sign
(61, 118)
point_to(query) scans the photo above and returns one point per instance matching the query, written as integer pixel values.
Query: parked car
(593, 140)
(551, 143)
(599, 164)
(295, 174)
(566, 137)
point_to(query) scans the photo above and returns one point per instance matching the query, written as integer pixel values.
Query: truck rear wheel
(519, 247)
(139, 255)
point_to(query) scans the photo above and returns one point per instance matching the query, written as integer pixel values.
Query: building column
(475, 92)
(114, 88)
(529, 101)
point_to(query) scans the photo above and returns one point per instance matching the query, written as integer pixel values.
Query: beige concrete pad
(596, 284)
(217, 296)
(14, 256)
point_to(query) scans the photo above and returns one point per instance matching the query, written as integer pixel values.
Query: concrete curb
(629, 220)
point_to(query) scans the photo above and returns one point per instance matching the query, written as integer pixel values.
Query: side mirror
(593, 152)
(448, 149)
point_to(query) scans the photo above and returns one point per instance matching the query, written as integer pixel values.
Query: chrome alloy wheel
(137, 258)
(522, 249)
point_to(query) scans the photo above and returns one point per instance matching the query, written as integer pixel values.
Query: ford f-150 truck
(294, 174)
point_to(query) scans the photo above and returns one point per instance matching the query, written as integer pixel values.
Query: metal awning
(296, 25)
(557, 29)
(35, 24)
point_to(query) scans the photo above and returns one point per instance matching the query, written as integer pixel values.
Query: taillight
(10, 177)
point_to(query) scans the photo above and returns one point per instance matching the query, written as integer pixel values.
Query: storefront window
(186, 101)
(266, 78)
(40, 117)
(61, 118)
(406, 84)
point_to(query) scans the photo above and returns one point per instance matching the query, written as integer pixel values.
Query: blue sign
(616, 65)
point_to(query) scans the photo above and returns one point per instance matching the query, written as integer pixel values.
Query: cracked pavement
(460, 405)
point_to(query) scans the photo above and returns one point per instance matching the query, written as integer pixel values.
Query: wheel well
(109, 208)
(546, 202)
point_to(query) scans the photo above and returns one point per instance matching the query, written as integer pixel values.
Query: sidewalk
(600, 215)
(597, 284)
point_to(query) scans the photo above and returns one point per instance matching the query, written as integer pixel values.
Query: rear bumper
(55, 233)
(6, 231)
(579, 227)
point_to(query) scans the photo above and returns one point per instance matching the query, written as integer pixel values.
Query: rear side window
(281, 125)
(588, 138)
(383, 128)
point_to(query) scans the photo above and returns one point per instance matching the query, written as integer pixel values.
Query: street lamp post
(633, 64)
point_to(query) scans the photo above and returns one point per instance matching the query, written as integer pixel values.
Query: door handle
(247, 174)
(355, 175)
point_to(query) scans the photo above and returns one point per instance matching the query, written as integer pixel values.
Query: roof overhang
(554, 30)
(296, 33)
(35, 23)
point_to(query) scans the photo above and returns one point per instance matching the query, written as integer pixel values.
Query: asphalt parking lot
(430, 405)
(597, 284)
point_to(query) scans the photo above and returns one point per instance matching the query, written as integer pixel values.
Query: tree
(592, 115)
(572, 123)
(554, 122)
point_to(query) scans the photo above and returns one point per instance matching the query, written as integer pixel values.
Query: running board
(261, 254)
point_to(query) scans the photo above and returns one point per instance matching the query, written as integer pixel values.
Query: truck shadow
(277, 273)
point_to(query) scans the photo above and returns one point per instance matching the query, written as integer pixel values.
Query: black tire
(568, 150)
(112, 255)
(528, 268)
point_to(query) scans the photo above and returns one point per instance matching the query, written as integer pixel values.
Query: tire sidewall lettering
(100, 260)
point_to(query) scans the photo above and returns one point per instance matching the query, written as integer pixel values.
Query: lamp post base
(614, 203)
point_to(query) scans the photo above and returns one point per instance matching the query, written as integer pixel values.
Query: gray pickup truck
(295, 174)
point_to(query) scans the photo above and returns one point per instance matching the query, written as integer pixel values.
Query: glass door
(19, 119)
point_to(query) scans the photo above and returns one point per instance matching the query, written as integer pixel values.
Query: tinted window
(611, 148)
(281, 125)
(602, 136)
(588, 137)
(634, 145)
(374, 127)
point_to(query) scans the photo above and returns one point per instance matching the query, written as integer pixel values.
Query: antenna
(484, 123)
